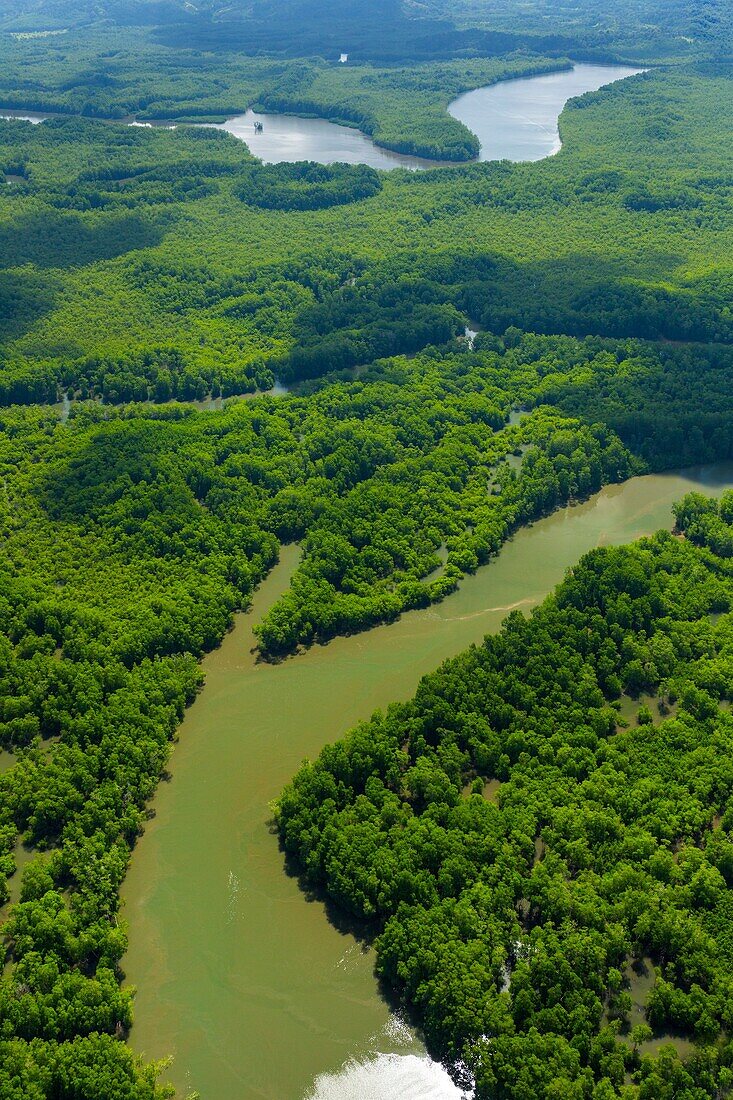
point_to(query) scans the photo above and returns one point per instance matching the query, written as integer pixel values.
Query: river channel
(240, 976)
(518, 119)
(514, 120)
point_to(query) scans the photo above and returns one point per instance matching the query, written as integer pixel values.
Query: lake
(240, 975)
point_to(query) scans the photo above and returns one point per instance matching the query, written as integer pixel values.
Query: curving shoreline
(521, 122)
(515, 119)
(234, 964)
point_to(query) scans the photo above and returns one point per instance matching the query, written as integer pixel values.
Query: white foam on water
(232, 897)
(398, 1030)
(350, 959)
(388, 1077)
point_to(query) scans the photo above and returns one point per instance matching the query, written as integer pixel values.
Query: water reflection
(514, 120)
(517, 120)
(289, 138)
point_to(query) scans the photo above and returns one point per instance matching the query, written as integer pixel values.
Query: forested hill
(527, 855)
(381, 31)
(394, 31)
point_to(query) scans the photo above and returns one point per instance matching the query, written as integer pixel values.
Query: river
(22, 115)
(289, 138)
(518, 119)
(514, 120)
(240, 976)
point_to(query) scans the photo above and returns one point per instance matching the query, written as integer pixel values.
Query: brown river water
(240, 976)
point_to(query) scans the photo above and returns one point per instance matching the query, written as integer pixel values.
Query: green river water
(240, 977)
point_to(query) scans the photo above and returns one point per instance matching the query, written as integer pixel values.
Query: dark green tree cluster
(679, 28)
(524, 850)
(668, 404)
(378, 30)
(707, 522)
(305, 185)
(544, 298)
(160, 374)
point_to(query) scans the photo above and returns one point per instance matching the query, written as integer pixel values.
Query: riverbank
(234, 965)
(514, 117)
(518, 120)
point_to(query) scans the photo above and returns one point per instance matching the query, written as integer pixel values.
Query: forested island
(548, 822)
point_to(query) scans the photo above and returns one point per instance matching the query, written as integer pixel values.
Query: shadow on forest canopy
(55, 239)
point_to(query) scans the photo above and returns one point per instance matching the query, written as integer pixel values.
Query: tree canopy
(524, 850)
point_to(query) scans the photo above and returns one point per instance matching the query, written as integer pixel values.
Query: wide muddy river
(240, 976)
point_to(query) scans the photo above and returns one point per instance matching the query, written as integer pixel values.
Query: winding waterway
(518, 119)
(240, 976)
(514, 120)
(289, 138)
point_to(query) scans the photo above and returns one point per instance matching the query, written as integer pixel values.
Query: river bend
(241, 976)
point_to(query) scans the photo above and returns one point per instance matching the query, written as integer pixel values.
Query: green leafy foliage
(105, 229)
(508, 927)
(305, 185)
(707, 522)
(133, 271)
(131, 534)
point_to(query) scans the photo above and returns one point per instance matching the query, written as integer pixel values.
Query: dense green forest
(104, 290)
(119, 73)
(143, 268)
(527, 852)
(388, 30)
(383, 30)
(676, 28)
(130, 534)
